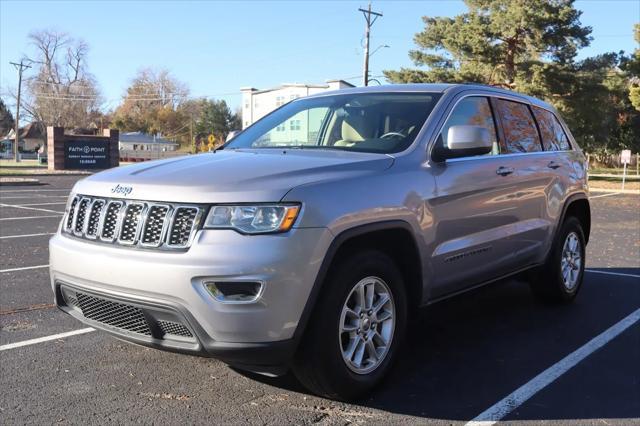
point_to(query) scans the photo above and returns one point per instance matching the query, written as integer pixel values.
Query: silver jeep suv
(308, 239)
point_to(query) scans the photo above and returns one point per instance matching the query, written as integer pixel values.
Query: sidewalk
(615, 191)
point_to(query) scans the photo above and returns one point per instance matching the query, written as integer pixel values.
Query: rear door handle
(503, 171)
(553, 165)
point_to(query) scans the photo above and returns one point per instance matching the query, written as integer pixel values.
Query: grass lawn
(6, 163)
(631, 170)
(612, 183)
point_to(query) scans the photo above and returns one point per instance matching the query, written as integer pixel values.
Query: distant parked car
(309, 239)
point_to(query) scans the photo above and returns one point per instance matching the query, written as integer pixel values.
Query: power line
(52, 83)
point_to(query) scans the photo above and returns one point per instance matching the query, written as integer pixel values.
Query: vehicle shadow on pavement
(463, 355)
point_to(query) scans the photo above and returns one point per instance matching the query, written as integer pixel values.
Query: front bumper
(167, 287)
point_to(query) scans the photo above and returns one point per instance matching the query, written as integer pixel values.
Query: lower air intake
(119, 315)
(169, 327)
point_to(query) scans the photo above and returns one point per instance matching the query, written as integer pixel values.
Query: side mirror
(464, 141)
(466, 137)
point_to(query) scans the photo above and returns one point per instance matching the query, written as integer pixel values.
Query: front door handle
(553, 165)
(503, 171)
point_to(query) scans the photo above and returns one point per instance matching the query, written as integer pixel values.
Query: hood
(235, 176)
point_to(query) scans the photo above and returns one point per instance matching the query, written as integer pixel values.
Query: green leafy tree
(6, 119)
(597, 106)
(632, 66)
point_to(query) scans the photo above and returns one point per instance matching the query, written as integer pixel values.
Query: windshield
(372, 122)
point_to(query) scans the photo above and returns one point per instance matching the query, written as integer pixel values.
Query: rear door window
(553, 136)
(520, 132)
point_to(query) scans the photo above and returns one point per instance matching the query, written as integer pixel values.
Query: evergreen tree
(530, 46)
(507, 43)
(6, 119)
(217, 119)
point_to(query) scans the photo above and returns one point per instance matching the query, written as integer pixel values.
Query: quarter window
(553, 136)
(520, 131)
(475, 111)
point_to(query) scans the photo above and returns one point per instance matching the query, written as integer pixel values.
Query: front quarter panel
(398, 194)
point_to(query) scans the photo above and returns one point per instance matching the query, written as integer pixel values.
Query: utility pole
(19, 67)
(193, 143)
(367, 16)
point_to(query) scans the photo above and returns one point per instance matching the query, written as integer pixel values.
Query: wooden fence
(134, 156)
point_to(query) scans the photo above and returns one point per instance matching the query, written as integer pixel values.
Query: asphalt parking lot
(490, 350)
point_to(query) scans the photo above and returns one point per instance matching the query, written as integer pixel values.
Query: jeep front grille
(132, 223)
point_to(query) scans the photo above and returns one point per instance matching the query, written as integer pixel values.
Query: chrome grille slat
(155, 225)
(182, 223)
(80, 215)
(130, 225)
(133, 223)
(93, 219)
(110, 221)
(72, 212)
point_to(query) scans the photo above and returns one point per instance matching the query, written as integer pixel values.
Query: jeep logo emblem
(124, 190)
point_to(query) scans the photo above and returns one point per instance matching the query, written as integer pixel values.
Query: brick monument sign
(82, 152)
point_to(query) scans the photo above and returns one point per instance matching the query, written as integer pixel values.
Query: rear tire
(349, 346)
(560, 278)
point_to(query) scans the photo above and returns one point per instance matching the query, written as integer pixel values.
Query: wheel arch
(386, 236)
(579, 207)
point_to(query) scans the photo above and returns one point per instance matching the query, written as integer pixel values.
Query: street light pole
(367, 16)
(20, 67)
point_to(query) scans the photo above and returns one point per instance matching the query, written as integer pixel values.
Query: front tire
(356, 329)
(560, 278)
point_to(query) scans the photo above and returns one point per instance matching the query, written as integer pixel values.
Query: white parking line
(37, 204)
(45, 339)
(604, 195)
(26, 268)
(35, 190)
(512, 401)
(32, 217)
(612, 273)
(29, 208)
(26, 235)
(33, 197)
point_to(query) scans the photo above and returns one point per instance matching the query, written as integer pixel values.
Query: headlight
(258, 219)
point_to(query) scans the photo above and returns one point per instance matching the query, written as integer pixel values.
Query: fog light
(234, 292)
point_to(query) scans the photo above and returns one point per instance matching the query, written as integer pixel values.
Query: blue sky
(217, 47)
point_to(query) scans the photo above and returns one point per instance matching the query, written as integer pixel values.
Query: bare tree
(62, 92)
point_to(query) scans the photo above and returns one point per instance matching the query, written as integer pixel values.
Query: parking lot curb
(14, 181)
